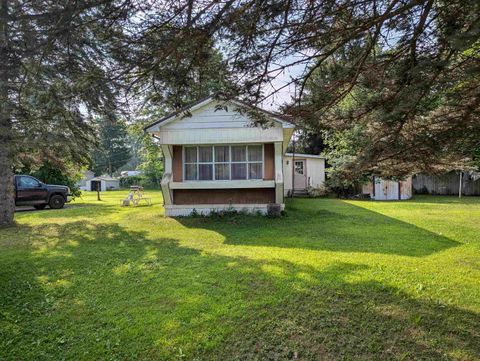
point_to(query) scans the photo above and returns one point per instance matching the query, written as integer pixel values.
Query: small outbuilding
(131, 173)
(103, 183)
(386, 190)
(82, 183)
(304, 171)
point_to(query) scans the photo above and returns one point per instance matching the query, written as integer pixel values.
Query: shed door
(386, 190)
(300, 174)
(95, 185)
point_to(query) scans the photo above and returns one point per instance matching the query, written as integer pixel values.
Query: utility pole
(98, 190)
(460, 185)
(293, 167)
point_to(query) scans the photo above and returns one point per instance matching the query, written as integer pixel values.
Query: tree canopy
(401, 75)
(113, 150)
(55, 73)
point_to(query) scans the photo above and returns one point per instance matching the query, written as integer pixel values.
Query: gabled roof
(204, 101)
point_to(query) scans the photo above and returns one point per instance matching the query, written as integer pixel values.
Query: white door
(386, 190)
(300, 181)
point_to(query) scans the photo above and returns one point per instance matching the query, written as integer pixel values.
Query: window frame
(300, 161)
(247, 162)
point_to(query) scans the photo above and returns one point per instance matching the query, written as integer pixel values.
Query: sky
(283, 95)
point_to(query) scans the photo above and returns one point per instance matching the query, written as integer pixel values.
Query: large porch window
(223, 162)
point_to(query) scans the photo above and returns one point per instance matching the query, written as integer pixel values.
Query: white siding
(104, 184)
(315, 169)
(210, 117)
(207, 125)
(315, 172)
(111, 184)
(221, 136)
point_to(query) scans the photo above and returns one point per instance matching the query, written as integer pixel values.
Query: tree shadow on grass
(100, 291)
(336, 227)
(326, 317)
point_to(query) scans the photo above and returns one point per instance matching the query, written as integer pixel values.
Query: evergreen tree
(113, 150)
(55, 72)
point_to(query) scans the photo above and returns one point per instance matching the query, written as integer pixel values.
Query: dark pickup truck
(30, 191)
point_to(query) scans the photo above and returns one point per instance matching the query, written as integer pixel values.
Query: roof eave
(202, 102)
(173, 115)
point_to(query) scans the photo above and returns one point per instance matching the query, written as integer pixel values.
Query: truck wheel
(56, 201)
(39, 206)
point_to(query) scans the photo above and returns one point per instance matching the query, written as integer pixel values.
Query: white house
(309, 172)
(217, 158)
(103, 183)
(82, 183)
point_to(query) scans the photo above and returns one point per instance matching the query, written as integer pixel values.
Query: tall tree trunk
(7, 198)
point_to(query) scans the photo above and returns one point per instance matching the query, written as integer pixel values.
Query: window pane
(190, 154)
(205, 154)
(255, 171)
(222, 154)
(222, 171)
(255, 153)
(239, 170)
(239, 153)
(190, 171)
(205, 171)
(299, 167)
(28, 182)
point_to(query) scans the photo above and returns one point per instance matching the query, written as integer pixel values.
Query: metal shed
(386, 190)
(104, 183)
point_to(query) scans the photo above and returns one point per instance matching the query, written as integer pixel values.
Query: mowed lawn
(332, 279)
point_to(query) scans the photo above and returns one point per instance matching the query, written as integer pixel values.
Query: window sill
(223, 184)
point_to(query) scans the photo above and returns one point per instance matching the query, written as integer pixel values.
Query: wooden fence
(446, 184)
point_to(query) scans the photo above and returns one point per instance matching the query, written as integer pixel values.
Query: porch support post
(167, 158)
(167, 175)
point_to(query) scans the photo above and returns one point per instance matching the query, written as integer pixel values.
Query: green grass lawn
(332, 279)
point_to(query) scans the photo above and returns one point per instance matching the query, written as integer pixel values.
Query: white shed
(82, 183)
(309, 172)
(386, 190)
(105, 183)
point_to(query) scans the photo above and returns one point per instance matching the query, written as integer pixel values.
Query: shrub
(138, 180)
(423, 190)
(321, 191)
(274, 210)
